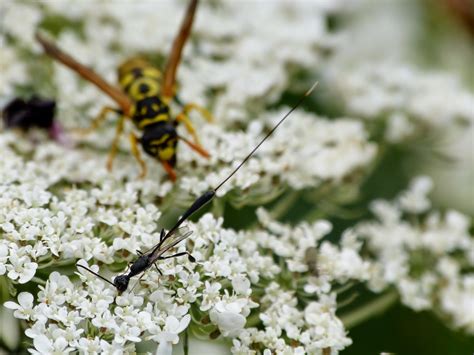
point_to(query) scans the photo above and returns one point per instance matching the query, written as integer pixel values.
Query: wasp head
(121, 282)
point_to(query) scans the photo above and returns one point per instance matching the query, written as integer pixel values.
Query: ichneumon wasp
(178, 233)
(144, 97)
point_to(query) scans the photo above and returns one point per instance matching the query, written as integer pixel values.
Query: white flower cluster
(269, 287)
(407, 97)
(426, 255)
(230, 267)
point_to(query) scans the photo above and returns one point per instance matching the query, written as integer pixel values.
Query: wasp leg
(97, 121)
(137, 155)
(202, 110)
(169, 169)
(196, 147)
(113, 149)
(157, 269)
(184, 118)
(136, 283)
(190, 257)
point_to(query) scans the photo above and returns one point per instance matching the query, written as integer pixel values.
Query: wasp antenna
(306, 94)
(311, 89)
(96, 274)
(209, 195)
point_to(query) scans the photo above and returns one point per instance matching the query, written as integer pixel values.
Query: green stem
(377, 306)
(253, 320)
(38, 281)
(186, 343)
(284, 205)
(281, 207)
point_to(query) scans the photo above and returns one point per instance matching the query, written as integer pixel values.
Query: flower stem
(38, 281)
(377, 306)
(186, 343)
(284, 205)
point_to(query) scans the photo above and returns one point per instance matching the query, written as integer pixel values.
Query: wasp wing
(56, 53)
(174, 58)
(171, 240)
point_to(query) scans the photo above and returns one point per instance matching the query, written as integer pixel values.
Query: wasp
(144, 96)
(178, 232)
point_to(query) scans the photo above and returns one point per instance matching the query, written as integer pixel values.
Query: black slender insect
(176, 234)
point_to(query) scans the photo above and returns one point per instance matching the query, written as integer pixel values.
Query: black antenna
(307, 93)
(209, 195)
(96, 274)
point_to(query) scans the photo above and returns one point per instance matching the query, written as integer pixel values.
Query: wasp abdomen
(160, 140)
(150, 110)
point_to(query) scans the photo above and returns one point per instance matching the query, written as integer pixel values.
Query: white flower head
(24, 308)
(170, 334)
(228, 317)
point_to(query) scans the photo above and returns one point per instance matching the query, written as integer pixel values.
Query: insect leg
(113, 149)
(203, 111)
(195, 147)
(183, 118)
(157, 269)
(137, 155)
(98, 120)
(169, 169)
(190, 257)
(136, 283)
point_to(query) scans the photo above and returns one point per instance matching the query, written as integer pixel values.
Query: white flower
(241, 285)
(169, 335)
(228, 317)
(3, 258)
(229, 314)
(399, 128)
(124, 332)
(44, 345)
(417, 294)
(458, 300)
(24, 308)
(21, 268)
(414, 200)
(210, 295)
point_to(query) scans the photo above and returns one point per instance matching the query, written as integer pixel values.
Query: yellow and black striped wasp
(144, 96)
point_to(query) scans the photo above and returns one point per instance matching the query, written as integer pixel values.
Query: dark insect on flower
(36, 112)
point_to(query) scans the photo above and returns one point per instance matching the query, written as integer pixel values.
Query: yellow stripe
(146, 121)
(160, 140)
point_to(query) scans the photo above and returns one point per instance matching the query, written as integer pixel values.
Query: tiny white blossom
(24, 308)
(169, 335)
(44, 345)
(228, 318)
